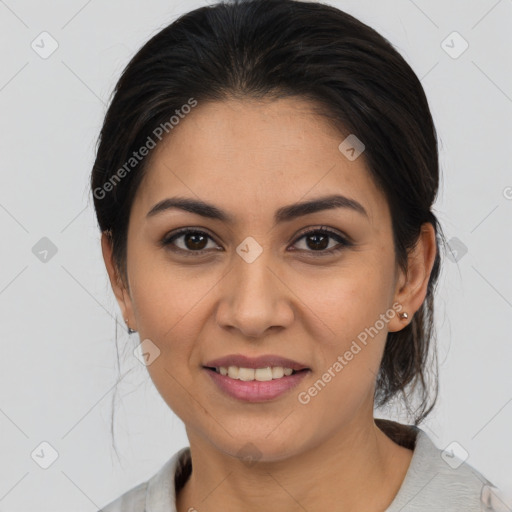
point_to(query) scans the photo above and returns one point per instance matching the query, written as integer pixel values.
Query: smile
(255, 385)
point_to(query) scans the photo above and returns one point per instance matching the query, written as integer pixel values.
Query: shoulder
(438, 480)
(158, 492)
(133, 500)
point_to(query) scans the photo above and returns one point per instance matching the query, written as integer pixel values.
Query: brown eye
(318, 240)
(189, 241)
(195, 241)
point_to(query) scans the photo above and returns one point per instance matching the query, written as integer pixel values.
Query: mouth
(255, 379)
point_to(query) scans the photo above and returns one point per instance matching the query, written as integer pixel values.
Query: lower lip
(256, 391)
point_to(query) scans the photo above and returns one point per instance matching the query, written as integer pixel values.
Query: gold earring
(403, 316)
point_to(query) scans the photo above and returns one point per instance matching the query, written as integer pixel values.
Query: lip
(256, 391)
(255, 362)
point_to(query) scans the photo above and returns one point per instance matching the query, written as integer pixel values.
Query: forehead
(247, 155)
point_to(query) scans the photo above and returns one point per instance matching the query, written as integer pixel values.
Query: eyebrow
(283, 214)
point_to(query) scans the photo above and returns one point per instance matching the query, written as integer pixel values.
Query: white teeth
(233, 372)
(246, 373)
(277, 372)
(259, 374)
(263, 374)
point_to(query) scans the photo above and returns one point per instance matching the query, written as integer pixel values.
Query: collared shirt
(436, 480)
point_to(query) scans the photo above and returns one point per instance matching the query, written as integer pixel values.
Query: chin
(253, 447)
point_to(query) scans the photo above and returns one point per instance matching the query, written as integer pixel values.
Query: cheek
(350, 303)
(348, 299)
(171, 305)
(165, 296)
(167, 305)
(351, 348)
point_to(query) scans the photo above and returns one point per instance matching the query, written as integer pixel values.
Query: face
(306, 286)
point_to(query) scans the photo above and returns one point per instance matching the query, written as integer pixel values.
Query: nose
(255, 298)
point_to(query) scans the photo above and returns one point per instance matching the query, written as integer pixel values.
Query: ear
(119, 288)
(411, 288)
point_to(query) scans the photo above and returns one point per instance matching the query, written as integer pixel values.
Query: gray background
(58, 317)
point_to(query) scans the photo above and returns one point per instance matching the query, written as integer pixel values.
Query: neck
(336, 474)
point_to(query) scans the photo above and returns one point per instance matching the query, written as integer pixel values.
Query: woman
(264, 185)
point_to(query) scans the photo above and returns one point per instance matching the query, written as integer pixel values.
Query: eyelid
(324, 229)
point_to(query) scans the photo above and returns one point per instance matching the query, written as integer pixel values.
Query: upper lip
(255, 362)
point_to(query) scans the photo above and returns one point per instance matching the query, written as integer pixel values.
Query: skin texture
(250, 158)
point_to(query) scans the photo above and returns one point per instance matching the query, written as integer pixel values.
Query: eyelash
(168, 241)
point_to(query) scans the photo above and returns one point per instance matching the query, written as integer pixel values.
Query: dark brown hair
(283, 48)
